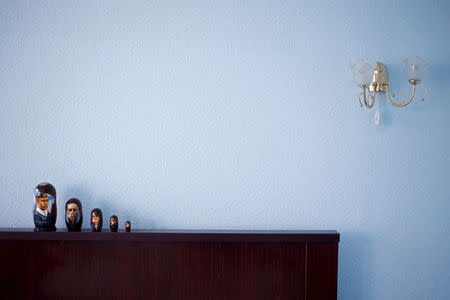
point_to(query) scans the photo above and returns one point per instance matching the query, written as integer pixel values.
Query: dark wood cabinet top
(219, 236)
(170, 264)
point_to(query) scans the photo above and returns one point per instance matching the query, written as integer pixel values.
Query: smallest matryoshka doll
(128, 226)
(113, 223)
(96, 220)
(74, 215)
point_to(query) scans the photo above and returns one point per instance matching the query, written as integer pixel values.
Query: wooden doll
(128, 226)
(113, 223)
(44, 207)
(74, 215)
(96, 220)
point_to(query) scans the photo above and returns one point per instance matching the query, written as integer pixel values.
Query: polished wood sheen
(169, 264)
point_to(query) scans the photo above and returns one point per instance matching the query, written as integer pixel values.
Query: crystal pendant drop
(377, 117)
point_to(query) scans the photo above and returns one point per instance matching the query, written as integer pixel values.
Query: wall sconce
(373, 79)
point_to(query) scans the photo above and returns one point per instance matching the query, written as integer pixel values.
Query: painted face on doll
(95, 219)
(72, 211)
(42, 203)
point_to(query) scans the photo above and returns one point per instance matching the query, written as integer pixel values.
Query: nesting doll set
(44, 212)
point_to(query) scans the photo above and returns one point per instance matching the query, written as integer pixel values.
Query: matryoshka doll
(96, 220)
(44, 207)
(127, 226)
(113, 223)
(74, 215)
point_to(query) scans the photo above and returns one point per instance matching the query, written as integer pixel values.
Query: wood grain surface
(169, 265)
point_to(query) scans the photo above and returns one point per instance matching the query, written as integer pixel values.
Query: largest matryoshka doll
(44, 207)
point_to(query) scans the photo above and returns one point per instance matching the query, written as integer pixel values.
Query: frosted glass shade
(415, 68)
(362, 72)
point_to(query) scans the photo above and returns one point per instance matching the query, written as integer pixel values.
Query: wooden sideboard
(169, 265)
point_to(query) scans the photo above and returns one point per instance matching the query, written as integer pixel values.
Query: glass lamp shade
(415, 68)
(362, 72)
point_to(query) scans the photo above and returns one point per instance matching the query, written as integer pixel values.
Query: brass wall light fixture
(373, 79)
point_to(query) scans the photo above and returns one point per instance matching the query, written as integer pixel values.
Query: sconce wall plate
(380, 79)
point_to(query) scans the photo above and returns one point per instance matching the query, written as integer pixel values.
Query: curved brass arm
(363, 94)
(407, 101)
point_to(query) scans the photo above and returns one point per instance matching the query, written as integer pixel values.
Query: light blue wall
(236, 115)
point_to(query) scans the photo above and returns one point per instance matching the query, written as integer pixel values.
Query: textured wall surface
(236, 115)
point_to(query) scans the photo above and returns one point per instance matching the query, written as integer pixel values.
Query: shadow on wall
(439, 74)
(436, 79)
(355, 266)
